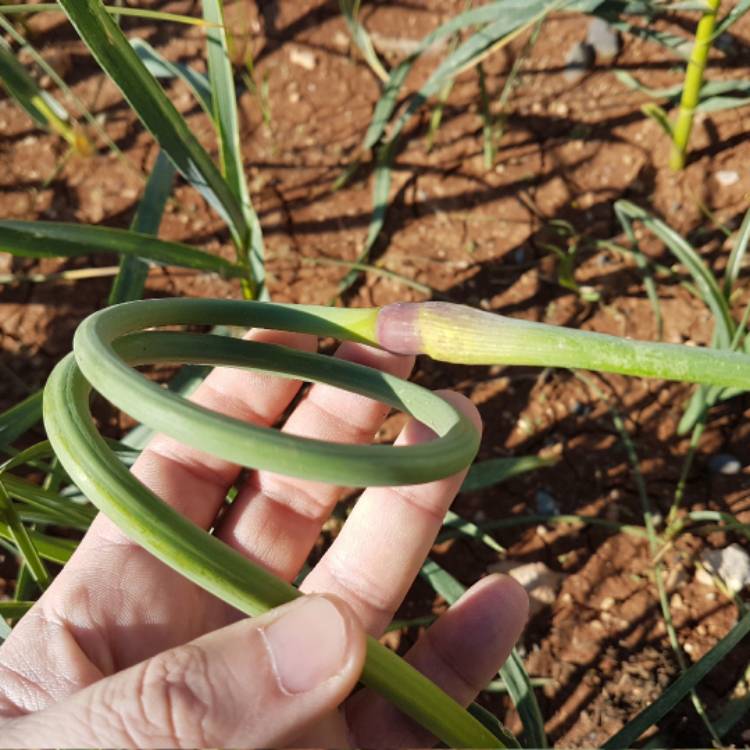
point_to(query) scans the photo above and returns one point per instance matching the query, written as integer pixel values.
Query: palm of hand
(101, 659)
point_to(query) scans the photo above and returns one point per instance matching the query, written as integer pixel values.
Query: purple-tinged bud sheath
(398, 328)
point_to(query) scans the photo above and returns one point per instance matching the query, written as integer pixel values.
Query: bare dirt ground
(476, 236)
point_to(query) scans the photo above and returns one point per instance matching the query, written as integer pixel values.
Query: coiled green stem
(111, 342)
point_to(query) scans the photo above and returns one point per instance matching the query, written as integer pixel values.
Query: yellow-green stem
(691, 90)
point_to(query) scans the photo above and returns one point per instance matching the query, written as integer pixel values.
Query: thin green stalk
(648, 516)
(120, 10)
(691, 89)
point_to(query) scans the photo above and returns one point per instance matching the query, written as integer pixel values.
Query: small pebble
(724, 463)
(302, 57)
(541, 583)
(546, 505)
(604, 39)
(731, 564)
(578, 62)
(727, 177)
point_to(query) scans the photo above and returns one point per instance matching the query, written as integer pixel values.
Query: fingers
(112, 585)
(384, 542)
(461, 653)
(256, 683)
(276, 520)
(194, 482)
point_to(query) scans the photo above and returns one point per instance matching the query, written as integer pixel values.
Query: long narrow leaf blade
(160, 67)
(114, 54)
(493, 471)
(709, 289)
(47, 239)
(627, 736)
(20, 418)
(737, 256)
(362, 38)
(131, 279)
(517, 680)
(226, 118)
(20, 85)
(50, 548)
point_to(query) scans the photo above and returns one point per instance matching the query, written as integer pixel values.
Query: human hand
(123, 651)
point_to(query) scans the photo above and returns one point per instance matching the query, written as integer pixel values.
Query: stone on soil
(731, 565)
(724, 463)
(540, 582)
(604, 39)
(578, 62)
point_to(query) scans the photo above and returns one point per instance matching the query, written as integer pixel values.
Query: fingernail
(307, 644)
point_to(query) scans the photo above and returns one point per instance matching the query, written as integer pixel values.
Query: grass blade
(516, 678)
(380, 199)
(455, 523)
(249, 241)
(488, 473)
(59, 510)
(645, 267)
(20, 537)
(350, 11)
(20, 418)
(15, 609)
(160, 67)
(131, 279)
(627, 736)
(50, 548)
(732, 17)
(48, 239)
(736, 257)
(506, 20)
(44, 109)
(705, 282)
(114, 10)
(117, 58)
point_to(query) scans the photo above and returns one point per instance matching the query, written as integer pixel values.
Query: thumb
(256, 683)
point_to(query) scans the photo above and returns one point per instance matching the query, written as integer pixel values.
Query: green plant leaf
(249, 242)
(117, 58)
(505, 18)
(160, 67)
(350, 11)
(517, 680)
(14, 609)
(47, 239)
(50, 548)
(21, 538)
(734, 15)
(114, 10)
(644, 265)
(24, 89)
(455, 523)
(628, 735)
(736, 257)
(705, 282)
(493, 724)
(20, 418)
(659, 116)
(488, 473)
(131, 279)
(58, 509)
(380, 198)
